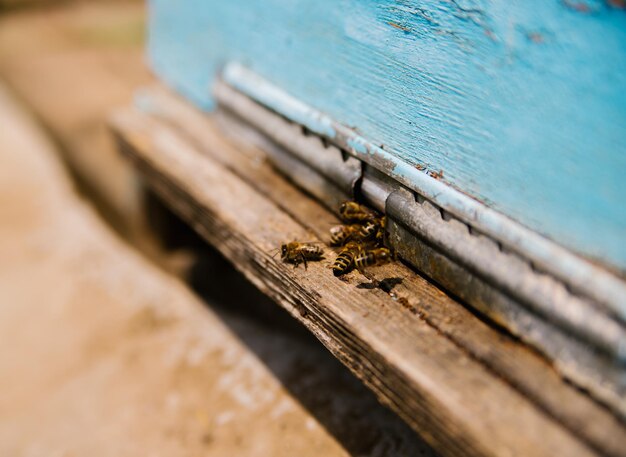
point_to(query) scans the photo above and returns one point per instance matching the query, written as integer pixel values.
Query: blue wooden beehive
(521, 105)
(509, 116)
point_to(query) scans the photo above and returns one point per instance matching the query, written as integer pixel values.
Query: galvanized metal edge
(301, 173)
(580, 275)
(507, 272)
(327, 159)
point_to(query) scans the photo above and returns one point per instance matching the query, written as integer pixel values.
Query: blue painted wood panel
(521, 104)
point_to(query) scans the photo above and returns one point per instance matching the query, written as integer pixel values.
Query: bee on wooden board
(373, 231)
(345, 259)
(372, 257)
(297, 253)
(352, 212)
(341, 234)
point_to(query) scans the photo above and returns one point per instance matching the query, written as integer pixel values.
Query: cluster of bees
(360, 241)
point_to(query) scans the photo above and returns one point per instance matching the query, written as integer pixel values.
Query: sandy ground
(71, 63)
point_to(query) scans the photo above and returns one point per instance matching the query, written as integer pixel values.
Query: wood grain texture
(435, 385)
(519, 104)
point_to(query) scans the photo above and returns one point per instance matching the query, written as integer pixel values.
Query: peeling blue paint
(358, 146)
(521, 104)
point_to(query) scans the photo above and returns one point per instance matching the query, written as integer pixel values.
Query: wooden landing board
(465, 388)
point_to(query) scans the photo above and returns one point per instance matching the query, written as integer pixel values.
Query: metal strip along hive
(570, 309)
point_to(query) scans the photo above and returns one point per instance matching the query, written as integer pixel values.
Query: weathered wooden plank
(437, 387)
(522, 368)
(520, 104)
(46, 51)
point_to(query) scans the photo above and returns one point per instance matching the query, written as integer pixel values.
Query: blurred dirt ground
(105, 352)
(71, 63)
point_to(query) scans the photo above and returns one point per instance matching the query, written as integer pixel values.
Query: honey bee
(298, 253)
(352, 212)
(345, 259)
(341, 234)
(373, 231)
(372, 257)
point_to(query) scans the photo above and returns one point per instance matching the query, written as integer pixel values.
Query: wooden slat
(440, 388)
(521, 367)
